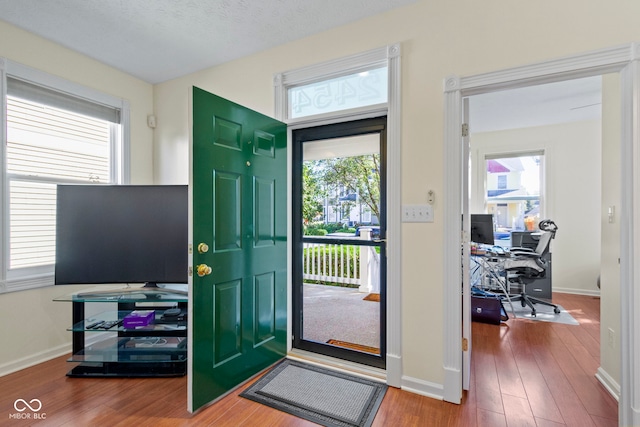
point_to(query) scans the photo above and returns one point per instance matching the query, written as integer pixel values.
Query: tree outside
(342, 184)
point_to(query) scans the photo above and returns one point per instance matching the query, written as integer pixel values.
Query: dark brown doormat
(323, 396)
(372, 297)
(353, 346)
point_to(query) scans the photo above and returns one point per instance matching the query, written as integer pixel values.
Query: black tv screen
(121, 234)
(482, 229)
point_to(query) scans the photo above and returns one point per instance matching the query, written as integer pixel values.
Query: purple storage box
(138, 318)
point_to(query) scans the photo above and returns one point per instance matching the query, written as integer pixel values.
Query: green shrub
(315, 229)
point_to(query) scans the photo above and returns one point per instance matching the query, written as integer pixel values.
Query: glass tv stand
(106, 344)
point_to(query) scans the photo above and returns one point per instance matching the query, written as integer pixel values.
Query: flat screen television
(122, 234)
(482, 229)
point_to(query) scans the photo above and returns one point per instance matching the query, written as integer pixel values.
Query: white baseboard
(587, 292)
(609, 383)
(34, 359)
(424, 388)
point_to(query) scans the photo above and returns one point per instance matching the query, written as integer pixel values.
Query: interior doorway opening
(590, 139)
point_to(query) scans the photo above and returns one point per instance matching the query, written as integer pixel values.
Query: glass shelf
(134, 350)
(160, 324)
(156, 350)
(128, 295)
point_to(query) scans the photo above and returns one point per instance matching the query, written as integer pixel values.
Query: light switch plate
(417, 213)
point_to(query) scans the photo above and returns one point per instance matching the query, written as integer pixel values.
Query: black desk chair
(526, 266)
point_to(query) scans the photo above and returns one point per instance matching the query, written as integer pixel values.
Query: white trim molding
(609, 383)
(389, 56)
(620, 59)
(34, 359)
(421, 387)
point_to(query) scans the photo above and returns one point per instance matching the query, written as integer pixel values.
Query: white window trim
(389, 56)
(43, 276)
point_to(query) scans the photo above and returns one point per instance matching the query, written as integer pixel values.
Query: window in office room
(514, 191)
(52, 138)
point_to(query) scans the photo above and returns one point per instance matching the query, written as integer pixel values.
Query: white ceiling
(158, 40)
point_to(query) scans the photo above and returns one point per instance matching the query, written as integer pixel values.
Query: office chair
(527, 265)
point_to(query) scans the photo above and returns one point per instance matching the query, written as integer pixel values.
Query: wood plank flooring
(524, 373)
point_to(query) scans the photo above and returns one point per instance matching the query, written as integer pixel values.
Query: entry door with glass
(339, 254)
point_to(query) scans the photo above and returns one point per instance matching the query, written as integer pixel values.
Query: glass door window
(340, 256)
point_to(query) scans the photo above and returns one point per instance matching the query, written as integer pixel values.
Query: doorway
(339, 250)
(525, 169)
(618, 61)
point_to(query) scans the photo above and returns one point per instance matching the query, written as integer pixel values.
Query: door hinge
(465, 130)
(465, 344)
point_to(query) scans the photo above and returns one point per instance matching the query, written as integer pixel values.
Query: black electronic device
(95, 324)
(127, 234)
(482, 229)
(171, 312)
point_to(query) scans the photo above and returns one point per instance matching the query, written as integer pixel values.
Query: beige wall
(572, 193)
(462, 37)
(32, 327)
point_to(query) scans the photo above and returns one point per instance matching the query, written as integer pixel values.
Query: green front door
(239, 305)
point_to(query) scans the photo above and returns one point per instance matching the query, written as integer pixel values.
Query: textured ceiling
(157, 40)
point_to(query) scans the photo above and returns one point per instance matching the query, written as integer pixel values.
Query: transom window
(361, 89)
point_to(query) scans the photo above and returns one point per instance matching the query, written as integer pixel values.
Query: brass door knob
(203, 248)
(203, 270)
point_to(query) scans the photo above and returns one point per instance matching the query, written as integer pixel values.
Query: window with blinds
(52, 138)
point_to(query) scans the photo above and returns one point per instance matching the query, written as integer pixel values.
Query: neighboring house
(508, 198)
(343, 207)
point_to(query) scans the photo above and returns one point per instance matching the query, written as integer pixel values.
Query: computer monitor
(482, 229)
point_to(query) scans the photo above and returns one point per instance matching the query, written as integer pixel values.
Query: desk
(487, 272)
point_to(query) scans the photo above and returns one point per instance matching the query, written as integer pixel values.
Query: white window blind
(50, 140)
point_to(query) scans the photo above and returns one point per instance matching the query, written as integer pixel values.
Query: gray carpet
(326, 397)
(543, 313)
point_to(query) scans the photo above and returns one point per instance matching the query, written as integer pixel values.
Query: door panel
(264, 215)
(227, 309)
(227, 192)
(239, 198)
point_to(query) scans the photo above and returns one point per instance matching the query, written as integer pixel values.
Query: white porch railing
(342, 263)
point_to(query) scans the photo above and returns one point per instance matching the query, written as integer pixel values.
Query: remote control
(110, 324)
(95, 324)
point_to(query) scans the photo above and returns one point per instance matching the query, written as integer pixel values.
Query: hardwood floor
(524, 373)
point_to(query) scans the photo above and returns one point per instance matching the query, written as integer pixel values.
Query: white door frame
(389, 56)
(622, 59)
